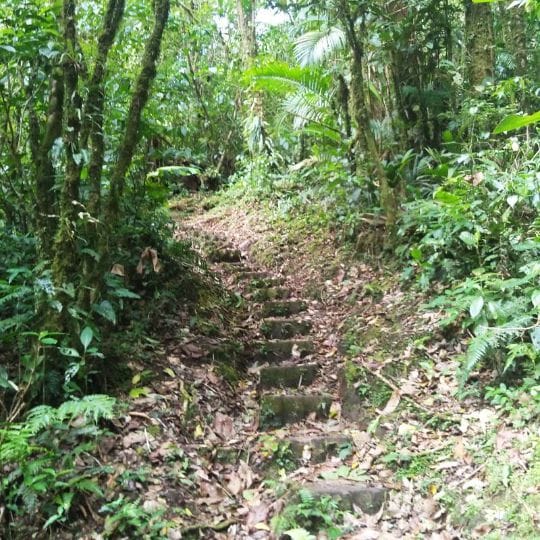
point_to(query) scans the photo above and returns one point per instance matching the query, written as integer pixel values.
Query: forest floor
(212, 450)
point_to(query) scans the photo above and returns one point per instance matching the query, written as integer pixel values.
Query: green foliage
(311, 514)
(43, 459)
(123, 516)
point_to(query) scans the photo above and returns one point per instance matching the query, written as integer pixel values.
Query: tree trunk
(44, 170)
(65, 264)
(246, 11)
(388, 195)
(138, 102)
(479, 41)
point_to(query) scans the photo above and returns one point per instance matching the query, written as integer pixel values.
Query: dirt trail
(323, 383)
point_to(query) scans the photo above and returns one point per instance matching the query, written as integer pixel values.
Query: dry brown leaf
(118, 270)
(460, 452)
(392, 403)
(257, 515)
(223, 426)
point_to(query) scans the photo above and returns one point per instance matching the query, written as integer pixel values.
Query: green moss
(229, 372)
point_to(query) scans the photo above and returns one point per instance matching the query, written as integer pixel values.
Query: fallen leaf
(392, 403)
(223, 426)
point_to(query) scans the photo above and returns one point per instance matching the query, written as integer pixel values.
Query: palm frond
(314, 47)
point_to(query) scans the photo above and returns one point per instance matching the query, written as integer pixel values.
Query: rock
(277, 410)
(349, 493)
(278, 350)
(235, 267)
(282, 308)
(287, 376)
(224, 255)
(284, 328)
(317, 449)
(260, 280)
(271, 293)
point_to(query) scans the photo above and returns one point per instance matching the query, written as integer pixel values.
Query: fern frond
(490, 339)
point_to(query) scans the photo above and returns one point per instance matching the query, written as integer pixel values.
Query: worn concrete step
(317, 448)
(271, 293)
(274, 328)
(224, 255)
(260, 280)
(279, 350)
(278, 410)
(287, 375)
(282, 308)
(238, 266)
(348, 494)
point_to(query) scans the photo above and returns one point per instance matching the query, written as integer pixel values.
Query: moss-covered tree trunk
(256, 131)
(479, 42)
(46, 207)
(94, 139)
(65, 250)
(389, 196)
(138, 102)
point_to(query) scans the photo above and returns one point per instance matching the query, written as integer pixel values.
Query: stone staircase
(285, 357)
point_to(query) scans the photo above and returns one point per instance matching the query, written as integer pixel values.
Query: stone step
(278, 410)
(288, 375)
(271, 293)
(274, 328)
(224, 255)
(317, 448)
(260, 280)
(235, 266)
(283, 308)
(279, 350)
(348, 494)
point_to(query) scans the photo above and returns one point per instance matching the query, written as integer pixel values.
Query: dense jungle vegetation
(406, 131)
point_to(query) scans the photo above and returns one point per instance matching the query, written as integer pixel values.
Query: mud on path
(324, 382)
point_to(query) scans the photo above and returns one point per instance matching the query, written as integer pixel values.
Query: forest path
(322, 377)
(314, 417)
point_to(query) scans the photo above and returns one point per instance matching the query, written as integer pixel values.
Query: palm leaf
(314, 47)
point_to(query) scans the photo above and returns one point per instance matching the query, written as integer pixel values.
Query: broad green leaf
(446, 197)
(535, 298)
(515, 121)
(512, 200)
(106, 310)
(476, 307)
(535, 338)
(86, 337)
(69, 351)
(125, 293)
(468, 238)
(138, 392)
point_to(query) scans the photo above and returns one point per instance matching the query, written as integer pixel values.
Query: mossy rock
(349, 494)
(288, 376)
(271, 293)
(273, 328)
(283, 308)
(319, 448)
(224, 255)
(278, 410)
(279, 350)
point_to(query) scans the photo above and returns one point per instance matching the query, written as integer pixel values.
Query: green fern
(490, 339)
